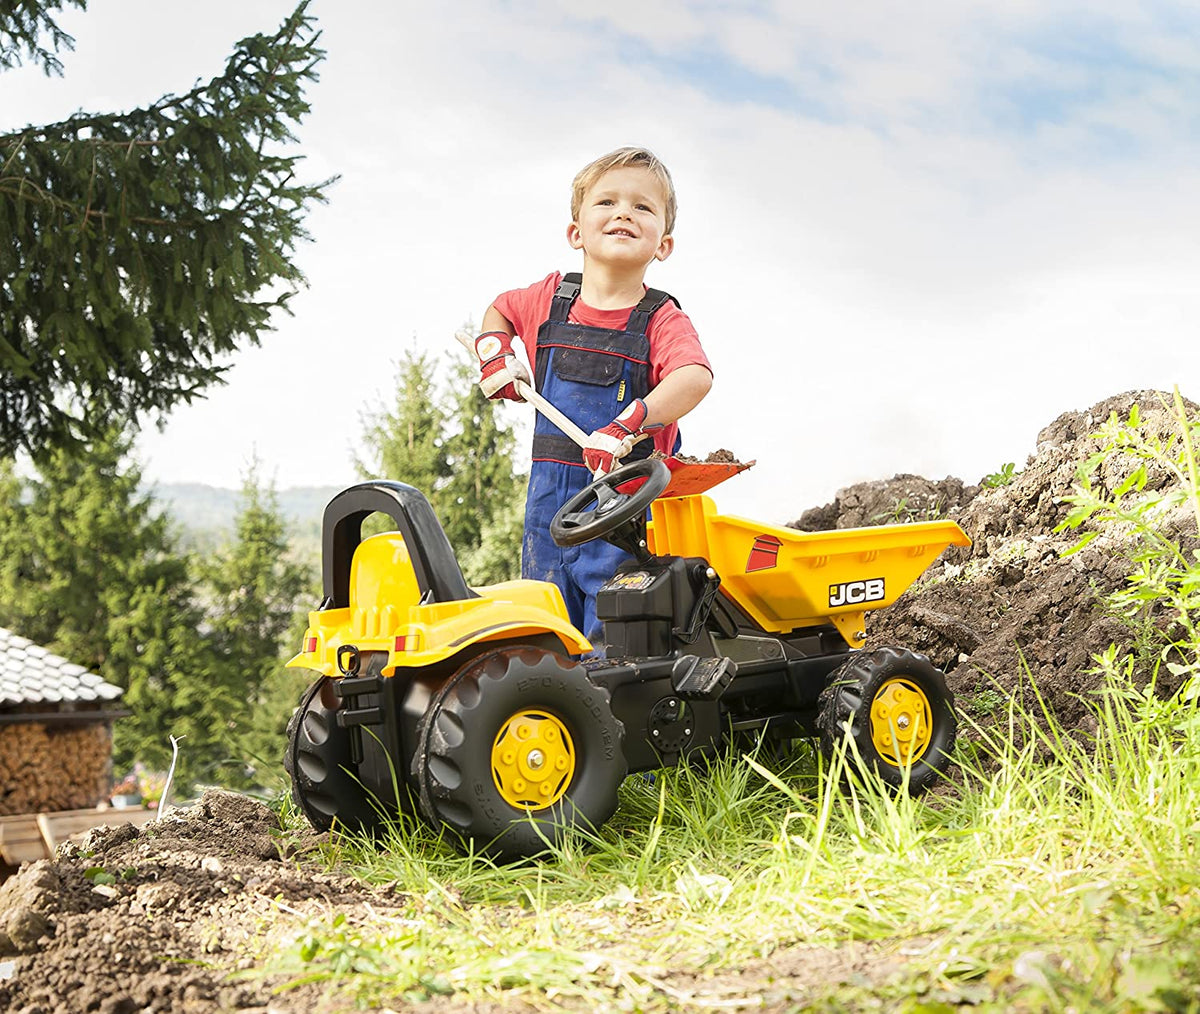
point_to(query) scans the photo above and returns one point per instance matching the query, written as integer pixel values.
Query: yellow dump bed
(785, 579)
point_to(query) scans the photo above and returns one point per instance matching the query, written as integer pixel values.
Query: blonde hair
(620, 159)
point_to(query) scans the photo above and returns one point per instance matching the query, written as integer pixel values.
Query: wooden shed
(55, 745)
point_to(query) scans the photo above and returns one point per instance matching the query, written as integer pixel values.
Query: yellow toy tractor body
(479, 709)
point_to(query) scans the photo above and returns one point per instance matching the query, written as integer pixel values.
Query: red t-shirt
(673, 339)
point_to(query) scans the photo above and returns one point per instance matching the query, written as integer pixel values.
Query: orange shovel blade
(688, 477)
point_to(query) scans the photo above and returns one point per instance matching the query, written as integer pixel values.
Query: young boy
(617, 358)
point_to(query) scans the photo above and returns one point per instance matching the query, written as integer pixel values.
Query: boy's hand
(606, 447)
(499, 368)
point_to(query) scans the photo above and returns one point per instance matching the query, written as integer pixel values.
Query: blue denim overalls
(590, 374)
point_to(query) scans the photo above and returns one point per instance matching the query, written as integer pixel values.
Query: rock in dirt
(721, 456)
(25, 903)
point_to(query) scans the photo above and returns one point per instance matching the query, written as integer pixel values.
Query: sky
(909, 237)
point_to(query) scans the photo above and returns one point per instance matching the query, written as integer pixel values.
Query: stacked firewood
(58, 768)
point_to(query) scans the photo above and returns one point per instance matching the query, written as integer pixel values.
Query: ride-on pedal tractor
(472, 705)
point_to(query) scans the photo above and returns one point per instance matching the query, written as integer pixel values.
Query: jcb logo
(853, 593)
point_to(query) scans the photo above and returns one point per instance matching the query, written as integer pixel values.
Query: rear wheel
(517, 748)
(318, 759)
(900, 715)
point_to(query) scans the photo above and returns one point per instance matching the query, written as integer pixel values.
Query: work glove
(606, 447)
(499, 368)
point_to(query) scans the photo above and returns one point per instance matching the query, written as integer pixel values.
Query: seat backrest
(433, 562)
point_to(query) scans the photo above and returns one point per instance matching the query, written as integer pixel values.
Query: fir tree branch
(134, 246)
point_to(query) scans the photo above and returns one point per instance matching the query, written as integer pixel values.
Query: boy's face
(623, 219)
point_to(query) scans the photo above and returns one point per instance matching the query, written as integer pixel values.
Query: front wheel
(899, 712)
(517, 748)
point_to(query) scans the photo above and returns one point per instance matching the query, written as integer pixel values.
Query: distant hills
(206, 514)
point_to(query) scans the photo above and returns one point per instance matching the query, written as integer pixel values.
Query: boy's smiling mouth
(621, 232)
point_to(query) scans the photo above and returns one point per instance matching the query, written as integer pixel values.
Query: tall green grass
(1061, 876)
(1056, 873)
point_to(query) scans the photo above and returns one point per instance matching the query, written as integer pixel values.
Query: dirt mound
(155, 918)
(888, 501)
(1011, 600)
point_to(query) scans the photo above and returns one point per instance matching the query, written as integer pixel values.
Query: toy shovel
(687, 477)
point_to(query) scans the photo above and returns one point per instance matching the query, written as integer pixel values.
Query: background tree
(253, 587)
(479, 451)
(27, 25)
(405, 441)
(448, 442)
(139, 249)
(485, 500)
(498, 555)
(89, 569)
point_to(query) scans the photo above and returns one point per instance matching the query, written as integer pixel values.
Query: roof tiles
(29, 674)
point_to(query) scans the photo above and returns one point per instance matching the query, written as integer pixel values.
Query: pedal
(347, 718)
(702, 679)
(351, 689)
(352, 686)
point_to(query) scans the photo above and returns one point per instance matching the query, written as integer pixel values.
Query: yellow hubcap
(901, 722)
(533, 760)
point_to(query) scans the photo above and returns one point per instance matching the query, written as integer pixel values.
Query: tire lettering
(584, 694)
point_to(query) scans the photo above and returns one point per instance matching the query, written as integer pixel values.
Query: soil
(171, 916)
(720, 456)
(174, 916)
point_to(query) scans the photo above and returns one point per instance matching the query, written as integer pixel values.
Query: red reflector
(310, 644)
(401, 642)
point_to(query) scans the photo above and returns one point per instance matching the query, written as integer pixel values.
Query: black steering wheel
(607, 508)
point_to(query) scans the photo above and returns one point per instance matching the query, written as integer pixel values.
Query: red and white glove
(499, 368)
(606, 447)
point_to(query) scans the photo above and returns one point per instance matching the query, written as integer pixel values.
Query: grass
(1062, 876)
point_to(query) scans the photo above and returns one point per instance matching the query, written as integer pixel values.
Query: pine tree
(66, 545)
(23, 26)
(405, 440)
(483, 504)
(254, 586)
(139, 250)
(452, 447)
(497, 557)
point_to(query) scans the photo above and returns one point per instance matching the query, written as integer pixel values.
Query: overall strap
(639, 316)
(564, 296)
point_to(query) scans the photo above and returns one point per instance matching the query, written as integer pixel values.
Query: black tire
(455, 764)
(317, 759)
(899, 709)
